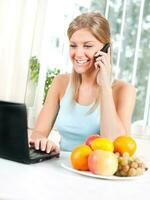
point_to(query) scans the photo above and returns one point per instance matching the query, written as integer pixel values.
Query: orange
(125, 144)
(79, 157)
(103, 144)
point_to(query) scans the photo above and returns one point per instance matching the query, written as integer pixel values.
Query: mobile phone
(104, 49)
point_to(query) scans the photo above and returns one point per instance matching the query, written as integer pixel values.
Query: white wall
(17, 26)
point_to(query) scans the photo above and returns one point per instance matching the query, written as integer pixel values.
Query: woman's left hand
(103, 66)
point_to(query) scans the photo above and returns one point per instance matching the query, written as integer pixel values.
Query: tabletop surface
(49, 180)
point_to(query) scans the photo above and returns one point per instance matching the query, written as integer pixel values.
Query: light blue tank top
(74, 123)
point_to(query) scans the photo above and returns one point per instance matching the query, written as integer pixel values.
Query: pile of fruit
(104, 157)
(130, 165)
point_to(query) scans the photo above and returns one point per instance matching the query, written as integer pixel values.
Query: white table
(48, 180)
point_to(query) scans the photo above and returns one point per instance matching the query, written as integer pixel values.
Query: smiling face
(83, 46)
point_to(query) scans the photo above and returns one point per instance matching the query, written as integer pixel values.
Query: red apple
(90, 139)
(102, 162)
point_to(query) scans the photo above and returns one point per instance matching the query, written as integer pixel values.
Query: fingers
(51, 146)
(99, 64)
(44, 144)
(102, 55)
(37, 144)
(56, 149)
(32, 143)
(103, 61)
(99, 54)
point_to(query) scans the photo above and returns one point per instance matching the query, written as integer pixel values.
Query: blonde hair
(99, 27)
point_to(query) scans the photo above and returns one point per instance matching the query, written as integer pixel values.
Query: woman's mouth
(82, 62)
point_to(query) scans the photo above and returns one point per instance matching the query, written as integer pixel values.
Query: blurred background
(34, 49)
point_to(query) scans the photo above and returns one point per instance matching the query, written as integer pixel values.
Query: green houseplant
(34, 67)
(50, 75)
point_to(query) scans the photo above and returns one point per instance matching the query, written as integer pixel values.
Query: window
(130, 25)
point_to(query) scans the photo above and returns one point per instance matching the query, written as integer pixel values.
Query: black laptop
(14, 135)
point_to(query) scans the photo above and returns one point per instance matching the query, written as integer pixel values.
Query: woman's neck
(89, 78)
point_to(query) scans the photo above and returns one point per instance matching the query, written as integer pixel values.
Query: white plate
(68, 166)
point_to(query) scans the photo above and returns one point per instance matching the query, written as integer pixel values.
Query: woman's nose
(79, 51)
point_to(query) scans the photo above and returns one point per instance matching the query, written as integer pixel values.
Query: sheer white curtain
(18, 23)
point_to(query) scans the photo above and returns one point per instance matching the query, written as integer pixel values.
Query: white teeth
(81, 61)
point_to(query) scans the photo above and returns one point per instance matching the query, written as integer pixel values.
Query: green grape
(131, 159)
(125, 168)
(137, 160)
(117, 154)
(139, 171)
(126, 155)
(132, 172)
(119, 167)
(142, 165)
(123, 173)
(134, 165)
(124, 162)
(120, 159)
(129, 165)
(117, 173)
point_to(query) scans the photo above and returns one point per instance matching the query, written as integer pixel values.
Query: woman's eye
(87, 46)
(72, 45)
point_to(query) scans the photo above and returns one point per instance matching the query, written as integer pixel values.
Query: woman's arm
(46, 119)
(116, 116)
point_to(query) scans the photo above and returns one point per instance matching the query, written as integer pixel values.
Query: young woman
(86, 101)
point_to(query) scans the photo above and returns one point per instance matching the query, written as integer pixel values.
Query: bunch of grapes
(129, 165)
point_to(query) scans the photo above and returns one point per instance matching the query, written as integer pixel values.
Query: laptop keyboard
(33, 153)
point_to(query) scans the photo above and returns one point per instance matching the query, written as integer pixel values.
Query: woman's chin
(82, 69)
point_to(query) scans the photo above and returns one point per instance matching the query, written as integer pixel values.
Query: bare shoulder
(121, 88)
(122, 85)
(61, 81)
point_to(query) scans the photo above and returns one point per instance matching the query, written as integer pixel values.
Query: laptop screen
(13, 130)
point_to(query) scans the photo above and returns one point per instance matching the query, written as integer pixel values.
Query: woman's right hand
(42, 143)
